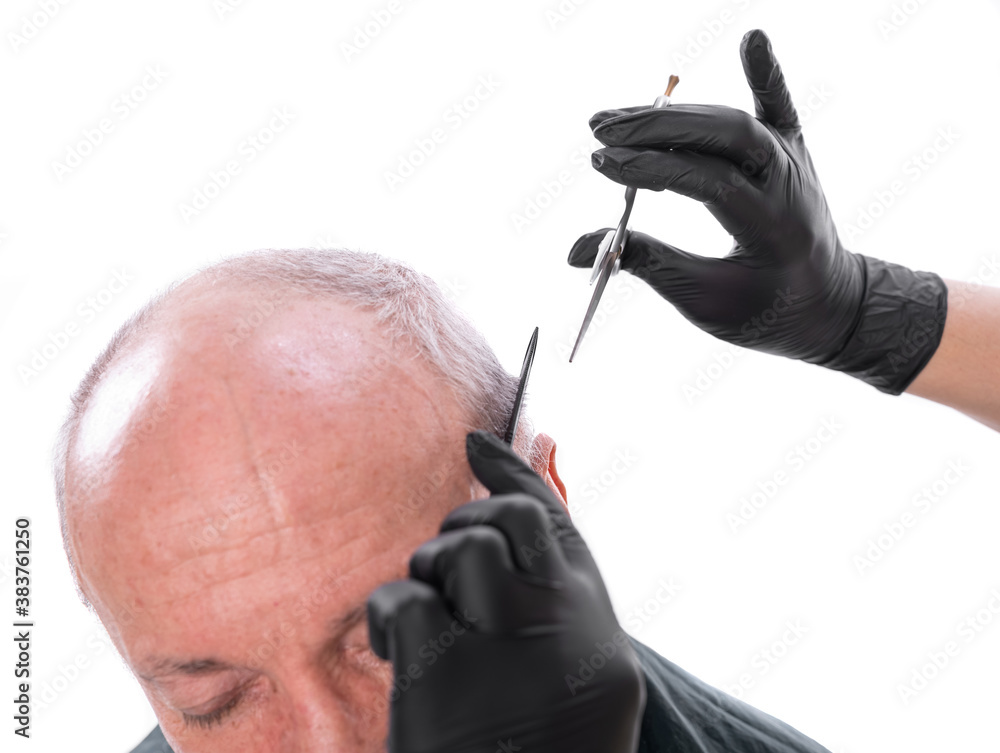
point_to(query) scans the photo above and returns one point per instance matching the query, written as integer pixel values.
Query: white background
(885, 93)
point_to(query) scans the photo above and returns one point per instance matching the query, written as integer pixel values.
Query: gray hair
(408, 307)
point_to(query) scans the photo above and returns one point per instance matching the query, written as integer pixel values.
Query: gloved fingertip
(605, 162)
(489, 457)
(584, 251)
(501, 470)
(772, 99)
(601, 116)
(596, 119)
(758, 59)
(581, 257)
(482, 444)
(756, 48)
(377, 627)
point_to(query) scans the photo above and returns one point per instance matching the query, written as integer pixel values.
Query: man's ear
(544, 448)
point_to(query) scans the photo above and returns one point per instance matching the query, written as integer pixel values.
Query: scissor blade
(602, 282)
(604, 267)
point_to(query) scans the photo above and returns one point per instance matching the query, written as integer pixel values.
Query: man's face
(248, 495)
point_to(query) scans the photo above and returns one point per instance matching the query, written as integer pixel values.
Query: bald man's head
(413, 318)
(257, 451)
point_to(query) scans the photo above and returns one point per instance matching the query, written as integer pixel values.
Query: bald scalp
(316, 392)
(235, 316)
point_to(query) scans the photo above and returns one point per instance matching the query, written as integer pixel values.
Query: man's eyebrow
(193, 667)
(336, 629)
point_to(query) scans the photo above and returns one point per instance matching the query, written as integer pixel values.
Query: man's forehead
(204, 358)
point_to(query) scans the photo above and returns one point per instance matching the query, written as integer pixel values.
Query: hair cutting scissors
(609, 253)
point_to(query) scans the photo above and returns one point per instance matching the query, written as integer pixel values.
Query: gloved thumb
(666, 268)
(770, 94)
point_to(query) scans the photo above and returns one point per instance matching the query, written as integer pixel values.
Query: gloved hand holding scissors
(788, 286)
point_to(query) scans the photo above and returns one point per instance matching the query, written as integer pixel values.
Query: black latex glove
(504, 637)
(788, 286)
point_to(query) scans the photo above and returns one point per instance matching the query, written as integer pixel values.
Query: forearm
(964, 372)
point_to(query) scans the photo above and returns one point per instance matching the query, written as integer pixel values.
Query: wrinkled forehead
(195, 452)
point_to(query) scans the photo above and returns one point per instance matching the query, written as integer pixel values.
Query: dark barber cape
(683, 715)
